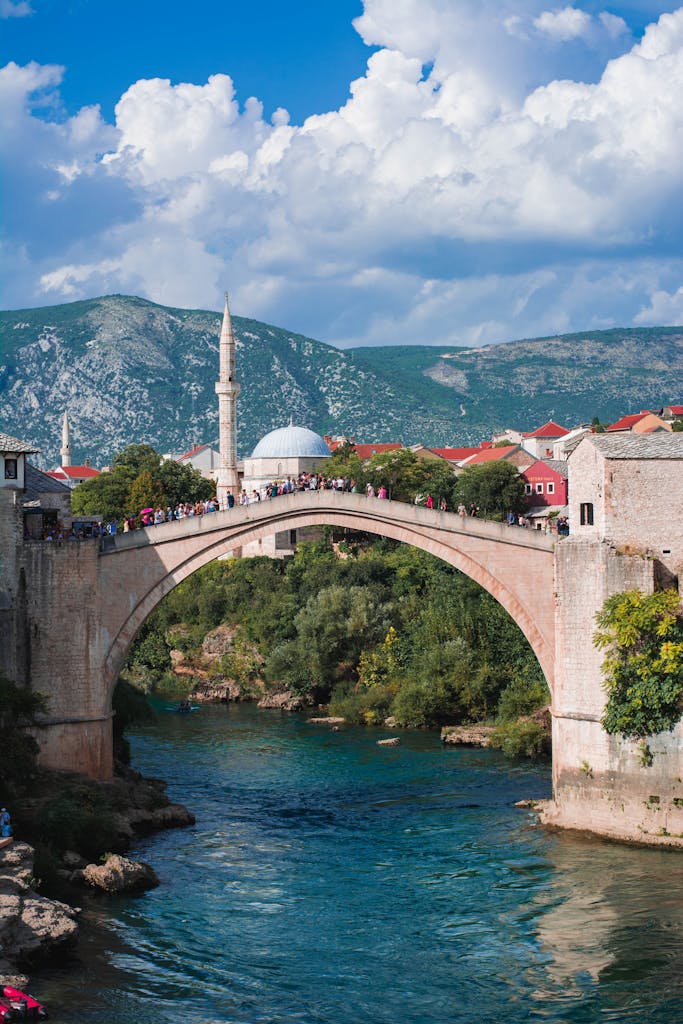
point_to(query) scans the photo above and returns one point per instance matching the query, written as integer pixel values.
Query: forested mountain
(128, 370)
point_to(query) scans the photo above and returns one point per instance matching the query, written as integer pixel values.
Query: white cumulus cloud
(15, 9)
(564, 23)
(469, 190)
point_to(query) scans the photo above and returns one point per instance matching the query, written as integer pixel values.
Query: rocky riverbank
(32, 927)
(35, 928)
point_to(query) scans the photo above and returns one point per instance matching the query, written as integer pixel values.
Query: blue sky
(449, 172)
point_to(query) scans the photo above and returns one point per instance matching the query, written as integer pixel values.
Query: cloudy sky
(366, 172)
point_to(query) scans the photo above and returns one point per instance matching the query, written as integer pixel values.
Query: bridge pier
(600, 783)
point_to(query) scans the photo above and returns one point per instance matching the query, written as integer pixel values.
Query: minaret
(65, 450)
(227, 390)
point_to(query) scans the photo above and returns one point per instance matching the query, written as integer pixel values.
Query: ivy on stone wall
(643, 667)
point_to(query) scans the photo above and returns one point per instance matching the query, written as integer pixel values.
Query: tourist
(430, 501)
(5, 823)
(462, 509)
(511, 518)
(382, 493)
(442, 505)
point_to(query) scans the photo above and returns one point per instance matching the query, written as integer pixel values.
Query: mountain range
(128, 370)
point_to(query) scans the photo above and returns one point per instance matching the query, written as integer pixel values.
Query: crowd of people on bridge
(314, 481)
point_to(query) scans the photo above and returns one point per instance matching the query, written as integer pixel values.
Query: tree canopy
(493, 487)
(139, 478)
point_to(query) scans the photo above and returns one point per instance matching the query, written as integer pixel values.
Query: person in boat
(184, 706)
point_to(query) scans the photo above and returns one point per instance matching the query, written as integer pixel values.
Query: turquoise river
(332, 881)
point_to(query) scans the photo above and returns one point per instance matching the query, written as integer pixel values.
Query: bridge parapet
(374, 510)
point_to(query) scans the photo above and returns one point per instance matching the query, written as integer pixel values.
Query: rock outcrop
(393, 741)
(32, 927)
(282, 700)
(467, 735)
(119, 874)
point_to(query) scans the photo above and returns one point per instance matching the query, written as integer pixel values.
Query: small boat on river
(19, 1006)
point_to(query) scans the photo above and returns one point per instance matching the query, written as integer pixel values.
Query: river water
(332, 881)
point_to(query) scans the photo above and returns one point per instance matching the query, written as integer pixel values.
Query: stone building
(628, 489)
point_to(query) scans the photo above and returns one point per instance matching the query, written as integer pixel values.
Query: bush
(643, 669)
(521, 739)
(364, 707)
(81, 820)
(521, 698)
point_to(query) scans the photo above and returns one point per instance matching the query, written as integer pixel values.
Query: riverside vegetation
(372, 629)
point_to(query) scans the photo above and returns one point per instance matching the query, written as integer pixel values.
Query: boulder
(218, 643)
(467, 735)
(119, 874)
(281, 700)
(31, 926)
(393, 741)
(220, 690)
(329, 720)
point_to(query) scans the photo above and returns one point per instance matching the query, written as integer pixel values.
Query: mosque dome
(291, 443)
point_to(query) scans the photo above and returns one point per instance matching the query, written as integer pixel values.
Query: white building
(283, 454)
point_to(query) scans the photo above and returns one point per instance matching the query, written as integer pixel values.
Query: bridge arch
(515, 566)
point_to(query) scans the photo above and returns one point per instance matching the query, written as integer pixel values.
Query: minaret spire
(65, 450)
(227, 390)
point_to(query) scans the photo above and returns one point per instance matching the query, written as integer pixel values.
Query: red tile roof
(454, 454)
(366, 451)
(677, 410)
(73, 472)
(628, 422)
(193, 451)
(549, 429)
(491, 455)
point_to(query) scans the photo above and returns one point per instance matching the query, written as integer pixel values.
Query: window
(527, 488)
(550, 488)
(586, 513)
(10, 469)
(539, 488)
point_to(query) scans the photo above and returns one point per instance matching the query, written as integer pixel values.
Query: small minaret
(227, 390)
(65, 450)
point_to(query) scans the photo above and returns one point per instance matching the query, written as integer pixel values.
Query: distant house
(643, 422)
(539, 442)
(513, 453)
(509, 435)
(672, 412)
(203, 458)
(46, 503)
(453, 456)
(363, 451)
(546, 489)
(567, 444)
(72, 476)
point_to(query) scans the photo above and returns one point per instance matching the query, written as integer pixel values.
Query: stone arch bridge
(78, 608)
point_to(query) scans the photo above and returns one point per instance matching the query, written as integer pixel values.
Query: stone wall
(600, 783)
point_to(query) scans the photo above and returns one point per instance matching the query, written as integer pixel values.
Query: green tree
(643, 668)
(405, 475)
(136, 459)
(345, 462)
(145, 492)
(494, 487)
(183, 483)
(105, 495)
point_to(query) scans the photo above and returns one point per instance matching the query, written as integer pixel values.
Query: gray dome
(291, 443)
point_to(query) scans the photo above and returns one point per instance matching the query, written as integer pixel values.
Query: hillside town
(293, 458)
